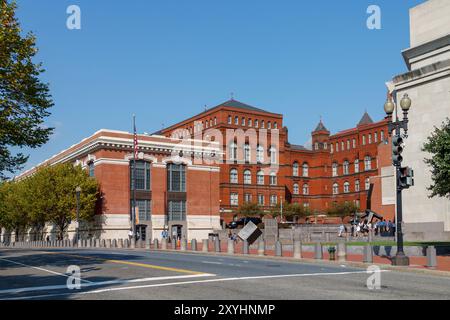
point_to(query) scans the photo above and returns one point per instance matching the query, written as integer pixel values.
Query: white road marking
(212, 262)
(42, 269)
(102, 283)
(194, 282)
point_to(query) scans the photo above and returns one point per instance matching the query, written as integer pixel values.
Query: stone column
(297, 249)
(183, 245)
(318, 254)
(261, 248)
(155, 244)
(431, 257)
(205, 247)
(194, 244)
(342, 251)
(278, 249)
(217, 244)
(368, 254)
(230, 246)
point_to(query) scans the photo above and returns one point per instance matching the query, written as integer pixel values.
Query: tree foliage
(48, 196)
(438, 145)
(250, 210)
(24, 99)
(342, 210)
(291, 210)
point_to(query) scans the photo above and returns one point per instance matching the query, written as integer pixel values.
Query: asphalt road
(123, 274)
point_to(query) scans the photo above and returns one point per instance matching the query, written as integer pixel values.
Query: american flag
(135, 141)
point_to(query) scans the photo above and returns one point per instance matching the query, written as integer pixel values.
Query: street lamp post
(78, 192)
(400, 258)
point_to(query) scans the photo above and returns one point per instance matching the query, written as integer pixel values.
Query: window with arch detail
(334, 169)
(260, 154)
(273, 179)
(234, 176)
(305, 170)
(295, 188)
(367, 163)
(305, 189)
(260, 177)
(295, 169)
(335, 188)
(346, 187)
(247, 177)
(346, 167)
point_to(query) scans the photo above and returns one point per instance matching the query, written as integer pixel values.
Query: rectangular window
(177, 210)
(261, 199)
(234, 199)
(142, 176)
(248, 197)
(144, 209)
(176, 177)
(229, 119)
(273, 200)
(91, 169)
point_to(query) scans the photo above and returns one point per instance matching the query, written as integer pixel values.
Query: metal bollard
(217, 244)
(205, 246)
(114, 243)
(147, 244)
(174, 244)
(126, 243)
(368, 254)
(120, 244)
(230, 246)
(133, 243)
(342, 251)
(261, 248)
(278, 249)
(297, 249)
(245, 247)
(194, 245)
(108, 243)
(318, 254)
(183, 245)
(164, 244)
(431, 257)
(155, 244)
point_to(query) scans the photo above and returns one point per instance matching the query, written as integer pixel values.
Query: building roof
(366, 119)
(320, 127)
(297, 147)
(237, 104)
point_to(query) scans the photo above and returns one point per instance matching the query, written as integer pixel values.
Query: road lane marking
(42, 269)
(130, 263)
(103, 283)
(212, 262)
(194, 282)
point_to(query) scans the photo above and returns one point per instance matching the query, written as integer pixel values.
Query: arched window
(229, 119)
(346, 167)
(305, 189)
(334, 169)
(91, 169)
(243, 121)
(273, 155)
(262, 124)
(256, 123)
(269, 125)
(342, 146)
(357, 186)
(295, 169)
(337, 147)
(273, 179)
(367, 163)
(348, 144)
(354, 143)
(331, 148)
(335, 188)
(346, 187)
(356, 165)
(236, 120)
(247, 177)
(215, 120)
(249, 122)
(260, 177)
(367, 183)
(370, 138)
(275, 125)
(233, 151)
(295, 189)
(375, 137)
(305, 169)
(260, 154)
(234, 176)
(364, 140)
(247, 152)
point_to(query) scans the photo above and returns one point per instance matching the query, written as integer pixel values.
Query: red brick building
(262, 166)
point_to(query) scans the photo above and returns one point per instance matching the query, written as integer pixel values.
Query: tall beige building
(428, 85)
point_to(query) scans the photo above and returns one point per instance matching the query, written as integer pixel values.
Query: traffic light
(397, 150)
(406, 178)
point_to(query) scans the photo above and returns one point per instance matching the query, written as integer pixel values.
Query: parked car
(243, 222)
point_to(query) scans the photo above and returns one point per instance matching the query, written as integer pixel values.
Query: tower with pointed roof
(320, 137)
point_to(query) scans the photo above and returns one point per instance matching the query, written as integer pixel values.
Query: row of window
(176, 177)
(234, 177)
(234, 199)
(295, 169)
(346, 166)
(176, 209)
(260, 154)
(347, 186)
(250, 123)
(347, 145)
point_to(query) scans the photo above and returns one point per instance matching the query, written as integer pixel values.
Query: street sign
(250, 232)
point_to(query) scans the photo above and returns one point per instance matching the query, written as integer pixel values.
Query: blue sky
(166, 60)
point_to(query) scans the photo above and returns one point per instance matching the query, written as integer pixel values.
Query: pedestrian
(341, 230)
(47, 239)
(130, 234)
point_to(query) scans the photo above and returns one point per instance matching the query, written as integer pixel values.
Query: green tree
(290, 211)
(342, 210)
(24, 99)
(56, 197)
(14, 208)
(438, 145)
(250, 210)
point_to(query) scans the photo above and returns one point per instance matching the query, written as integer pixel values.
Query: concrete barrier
(278, 249)
(431, 257)
(342, 251)
(155, 244)
(261, 248)
(217, 244)
(183, 244)
(205, 246)
(126, 243)
(114, 243)
(108, 243)
(120, 244)
(147, 244)
(194, 245)
(230, 246)
(245, 247)
(164, 244)
(318, 253)
(368, 254)
(297, 249)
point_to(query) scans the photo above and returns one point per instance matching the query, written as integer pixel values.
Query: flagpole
(133, 215)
